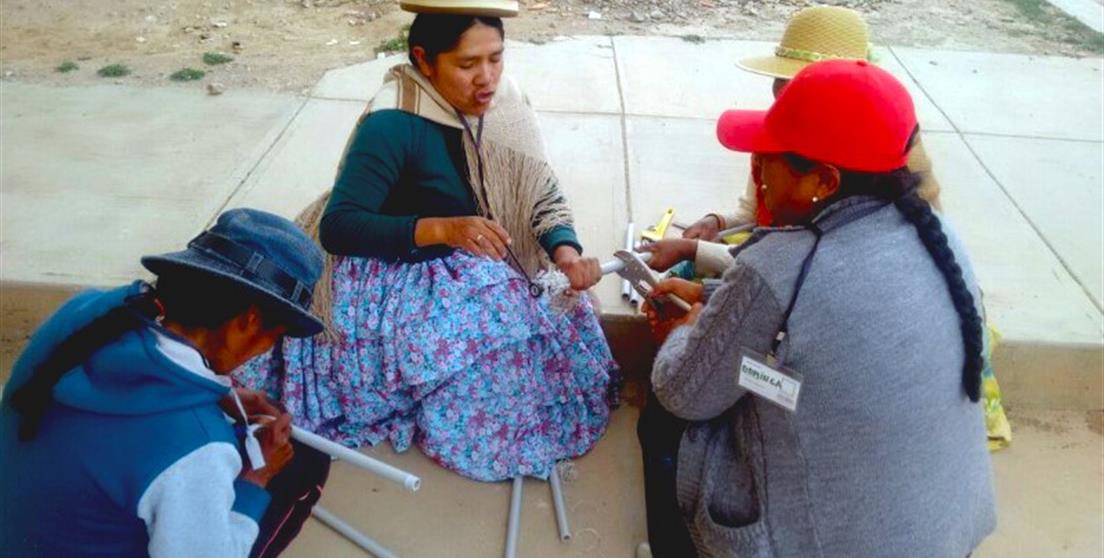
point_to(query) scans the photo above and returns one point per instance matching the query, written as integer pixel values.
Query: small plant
(67, 66)
(396, 44)
(216, 58)
(392, 45)
(113, 70)
(188, 74)
(696, 39)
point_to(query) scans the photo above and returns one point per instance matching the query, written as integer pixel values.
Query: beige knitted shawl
(518, 188)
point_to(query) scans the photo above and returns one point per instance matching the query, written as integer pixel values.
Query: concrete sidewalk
(93, 177)
(1049, 486)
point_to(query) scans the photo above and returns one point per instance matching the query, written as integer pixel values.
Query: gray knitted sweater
(885, 455)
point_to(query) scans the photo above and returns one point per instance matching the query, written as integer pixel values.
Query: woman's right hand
(670, 251)
(664, 319)
(275, 440)
(687, 290)
(479, 236)
(705, 228)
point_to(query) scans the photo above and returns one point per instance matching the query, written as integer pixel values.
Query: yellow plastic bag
(996, 423)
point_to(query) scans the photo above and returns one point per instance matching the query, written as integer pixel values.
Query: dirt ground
(286, 45)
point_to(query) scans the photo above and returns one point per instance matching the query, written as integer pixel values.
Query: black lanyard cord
(535, 290)
(477, 139)
(806, 265)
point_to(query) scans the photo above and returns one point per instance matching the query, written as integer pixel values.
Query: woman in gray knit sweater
(773, 428)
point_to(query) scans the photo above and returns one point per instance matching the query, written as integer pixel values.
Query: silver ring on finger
(479, 238)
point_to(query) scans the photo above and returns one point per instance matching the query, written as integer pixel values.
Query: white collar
(187, 357)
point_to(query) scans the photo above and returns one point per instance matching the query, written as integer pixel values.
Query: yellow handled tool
(655, 233)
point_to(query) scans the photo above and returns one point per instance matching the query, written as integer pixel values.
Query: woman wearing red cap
(784, 377)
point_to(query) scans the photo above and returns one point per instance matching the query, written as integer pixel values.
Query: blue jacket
(134, 457)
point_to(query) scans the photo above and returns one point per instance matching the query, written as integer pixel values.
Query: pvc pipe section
(558, 504)
(515, 519)
(347, 531)
(615, 265)
(355, 458)
(626, 288)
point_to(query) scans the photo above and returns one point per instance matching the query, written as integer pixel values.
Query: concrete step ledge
(23, 306)
(1031, 374)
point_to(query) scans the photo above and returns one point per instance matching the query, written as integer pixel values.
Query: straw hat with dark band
(814, 34)
(487, 8)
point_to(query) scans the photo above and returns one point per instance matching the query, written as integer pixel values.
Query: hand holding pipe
(633, 267)
(617, 264)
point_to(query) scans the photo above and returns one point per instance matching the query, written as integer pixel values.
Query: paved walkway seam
(1069, 268)
(253, 168)
(1007, 194)
(1031, 137)
(624, 131)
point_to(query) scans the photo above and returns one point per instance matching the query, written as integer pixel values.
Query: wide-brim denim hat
(265, 253)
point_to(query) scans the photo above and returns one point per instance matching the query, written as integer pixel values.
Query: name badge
(779, 385)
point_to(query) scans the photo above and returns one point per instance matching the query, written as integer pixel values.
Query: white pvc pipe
(558, 504)
(347, 531)
(357, 459)
(515, 518)
(615, 265)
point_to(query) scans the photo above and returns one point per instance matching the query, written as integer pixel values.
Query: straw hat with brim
(848, 113)
(264, 253)
(814, 34)
(487, 8)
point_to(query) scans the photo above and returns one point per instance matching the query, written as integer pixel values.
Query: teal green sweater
(399, 168)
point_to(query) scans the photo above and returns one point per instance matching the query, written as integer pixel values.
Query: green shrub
(216, 58)
(67, 66)
(113, 70)
(397, 44)
(188, 74)
(392, 45)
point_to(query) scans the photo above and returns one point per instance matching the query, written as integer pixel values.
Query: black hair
(192, 299)
(437, 33)
(899, 186)
(195, 299)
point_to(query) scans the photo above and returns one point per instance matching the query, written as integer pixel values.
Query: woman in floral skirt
(443, 213)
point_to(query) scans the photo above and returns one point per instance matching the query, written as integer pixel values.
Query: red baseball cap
(848, 113)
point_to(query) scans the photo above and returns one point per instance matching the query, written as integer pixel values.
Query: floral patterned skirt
(451, 354)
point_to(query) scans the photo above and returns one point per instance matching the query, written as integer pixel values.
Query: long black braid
(899, 186)
(191, 299)
(919, 213)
